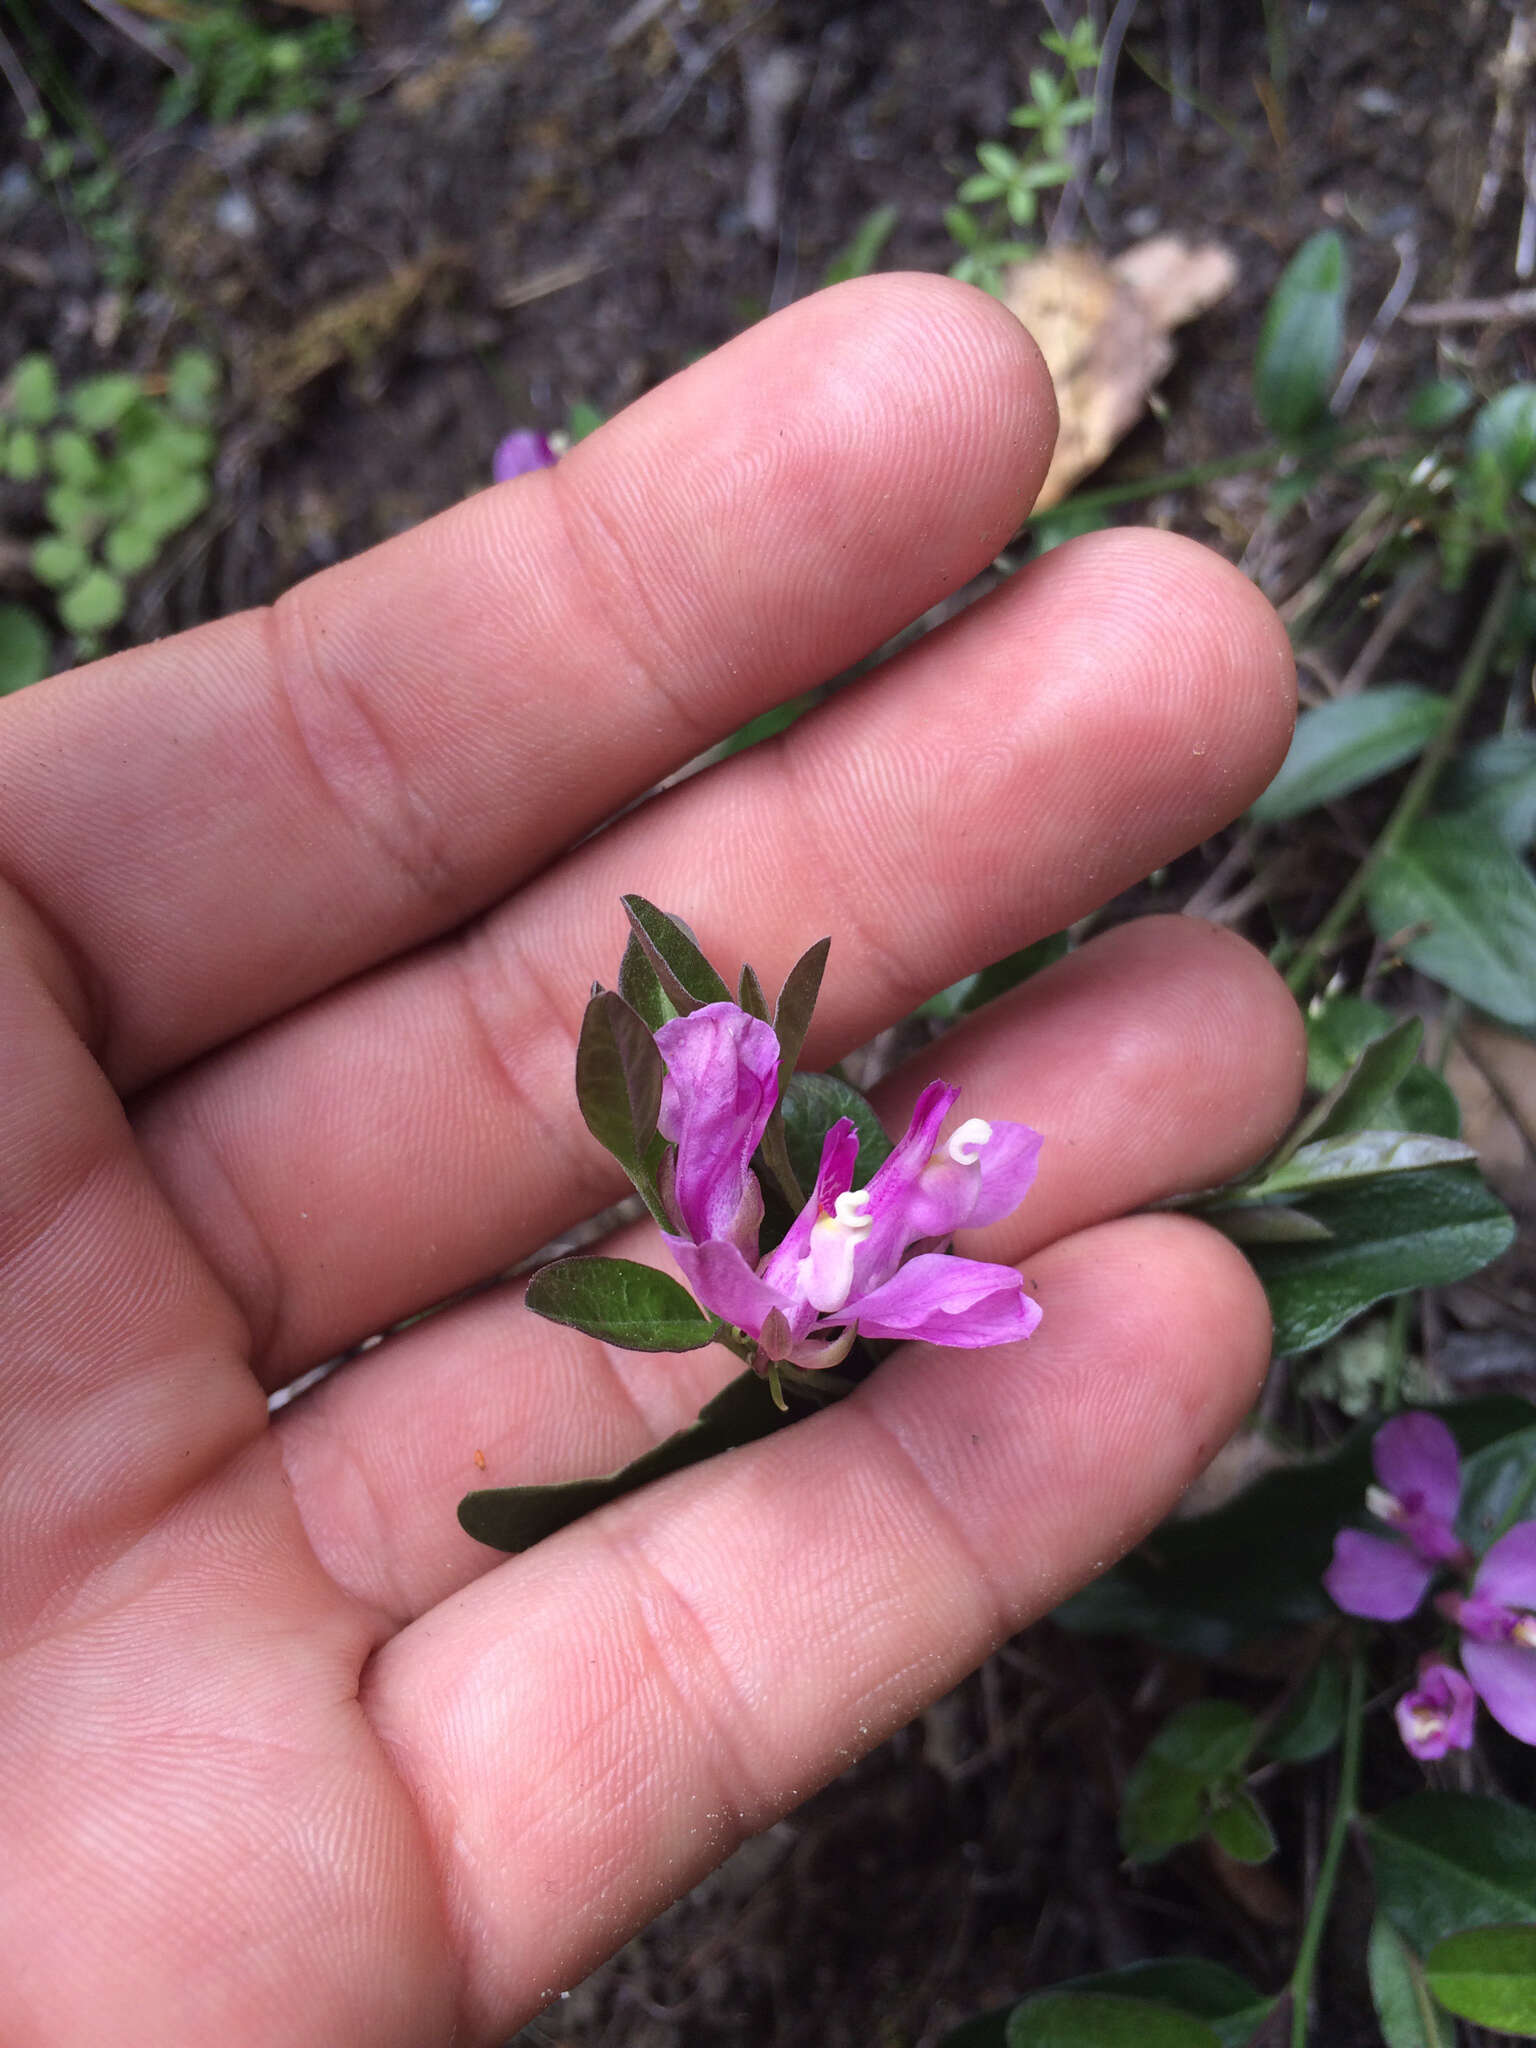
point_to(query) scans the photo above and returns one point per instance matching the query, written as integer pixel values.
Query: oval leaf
(1498, 1488)
(1072, 2019)
(1228, 2003)
(1403, 1231)
(1361, 1155)
(1468, 909)
(622, 1303)
(1445, 1861)
(812, 1105)
(1409, 2016)
(1339, 747)
(1241, 1827)
(1302, 339)
(1488, 1975)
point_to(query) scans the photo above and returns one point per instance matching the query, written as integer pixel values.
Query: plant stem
(1420, 785)
(1264, 457)
(1345, 1807)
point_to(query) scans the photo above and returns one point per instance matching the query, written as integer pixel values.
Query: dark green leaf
(1505, 429)
(1314, 1721)
(812, 1105)
(686, 976)
(1454, 883)
(768, 724)
(24, 648)
(620, 1302)
(1340, 746)
(1390, 1235)
(1496, 782)
(1409, 2016)
(1172, 1794)
(1445, 1861)
(1488, 1975)
(1271, 1223)
(1339, 1031)
(618, 1080)
(1439, 403)
(1241, 1827)
(1210, 1737)
(961, 997)
(1162, 1808)
(1228, 2003)
(1498, 1488)
(1378, 1072)
(750, 997)
(797, 1001)
(1074, 2019)
(1205, 1585)
(515, 1517)
(1302, 339)
(640, 988)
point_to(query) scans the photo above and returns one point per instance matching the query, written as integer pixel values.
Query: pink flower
(1437, 1715)
(854, 1261)
(1498, 1624)
(519, 453)
(1418, 1471)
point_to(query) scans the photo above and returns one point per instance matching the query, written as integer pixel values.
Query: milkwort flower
(1418, 1492)
(519, 453)
(855, 1261)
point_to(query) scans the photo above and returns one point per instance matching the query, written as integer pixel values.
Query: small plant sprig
(236, 65)
(802, 1230)
(120, 463)
(1010, 181)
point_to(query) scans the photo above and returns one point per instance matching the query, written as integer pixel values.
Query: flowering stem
(1345, 1807)
(1421, 783)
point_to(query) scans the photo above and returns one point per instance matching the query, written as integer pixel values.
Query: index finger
(225, 824)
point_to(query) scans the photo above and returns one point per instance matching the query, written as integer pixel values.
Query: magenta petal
(942, 1300)
(1375, 1577)
(839, 1155)
(721, 1084)
(1507, 1573)
(520, 453)
(1505, 1676)
(1438, 1714)
(724, 1283)
(1008, 1163)
(1417, 1461)
(896, 1210)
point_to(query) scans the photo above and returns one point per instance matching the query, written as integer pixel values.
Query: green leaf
(812, 1105)
(192, 385)
(1445, 1861)
(1314, 1721)
(175, 505)
(750, 996)
(1373, 1080)
(1505, 430)
(1338, 747)
(582, 419)
(1241, 1827)
(1208, 1584)
(618, 1078)
(1302, 339)
(797, 1002)
(1498, 1488)
(1454, 883)
(1181, 1780)
(970, 993)
(1496, 781)
(1488, 1975)
(100, 402)
(1162, 1808)
(25, 650)
(1271, 1223)
(515, 1517)
(97, 601)
(129, 549)
(1409, 2016)
(640, 988)
(1228, 2003)
(1360, 1155)
(1339, 1029)
(861, 252)
(34, 391)
(23, 456)
(633, 1306)
(1438, 403)
(1210, 1738)
(686, 976)
(59, 561)
(1073, 2019)
(1389, 1236)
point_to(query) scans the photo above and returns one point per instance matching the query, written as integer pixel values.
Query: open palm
(284, 1757)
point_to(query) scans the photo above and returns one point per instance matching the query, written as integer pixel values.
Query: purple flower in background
(854, 1261)
(1497, 1620)
(1418, 1472)
(519, 453)
(1437, 1715)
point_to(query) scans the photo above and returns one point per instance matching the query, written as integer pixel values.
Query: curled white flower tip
(965, 1145)
(849, 1210)
(1524, 1632)
(1386, 1507)
(1425, 1721)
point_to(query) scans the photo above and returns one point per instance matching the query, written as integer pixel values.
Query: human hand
(284, 1757)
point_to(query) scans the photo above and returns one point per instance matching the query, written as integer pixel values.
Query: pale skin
(284, 1756)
